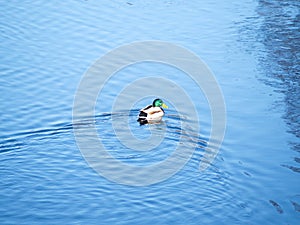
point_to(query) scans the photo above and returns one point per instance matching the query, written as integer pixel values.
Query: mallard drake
(152, 113)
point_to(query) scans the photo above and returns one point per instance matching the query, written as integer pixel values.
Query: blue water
(251, 46)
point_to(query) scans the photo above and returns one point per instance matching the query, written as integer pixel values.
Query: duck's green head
(159, 103)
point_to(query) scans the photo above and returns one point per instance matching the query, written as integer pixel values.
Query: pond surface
(252, 48)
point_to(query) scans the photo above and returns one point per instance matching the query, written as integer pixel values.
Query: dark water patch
(276, 206)
(273, 38)
(280, 34)
(247, 174)
(297, 159)
(293, 168)
(296, 206)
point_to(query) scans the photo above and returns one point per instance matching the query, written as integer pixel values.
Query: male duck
(152, 113)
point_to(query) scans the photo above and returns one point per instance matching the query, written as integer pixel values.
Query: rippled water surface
(251, 46)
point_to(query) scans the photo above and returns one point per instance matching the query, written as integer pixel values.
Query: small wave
(13, 141)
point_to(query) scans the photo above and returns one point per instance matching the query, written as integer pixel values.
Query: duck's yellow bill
(164, 106)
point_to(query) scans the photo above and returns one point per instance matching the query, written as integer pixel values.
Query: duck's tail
(142, 120)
